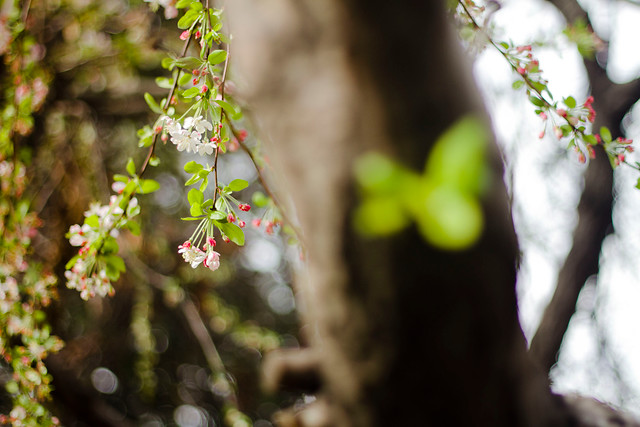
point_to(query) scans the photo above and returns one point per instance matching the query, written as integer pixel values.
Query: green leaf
(217, 56)
(196, 209)
(517, 84)
(120, 178)
(219, 204)
(73, 261)
(190, 218)
(259, 200)
(133, 227)
(184, 79)
(540, 87)
(450, 219)
(377, 174)
(380, 216)
(189, 62)
(590, 139)
(117, 262)
(152, 103)
(234, 113)
(566, 130)
(207, 204)
(148, 186)
(191, 92)
(164, 82)
(196, 5)
(204, 184)
(457, 159)
(195, 196)
(128, 189)
(110, 246)
(217, 215)
(536, 101)
(192, 180)
(181, 4)
(92, 221)
(570, 102)
(193, 167)
(232, 231)
(238, 185)
(188, 19)
(131, 167)
(605, 134)
(168, 63)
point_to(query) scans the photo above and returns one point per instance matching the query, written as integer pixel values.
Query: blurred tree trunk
(400, 333)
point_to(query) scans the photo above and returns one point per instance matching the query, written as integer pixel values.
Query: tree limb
(612, 101)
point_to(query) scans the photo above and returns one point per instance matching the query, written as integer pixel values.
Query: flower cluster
(192, 138)
(570, 120)
(194, 255)
(90, 272)
(25, 289)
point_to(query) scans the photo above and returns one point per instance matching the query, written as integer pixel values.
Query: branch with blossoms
(568, 119)
(196, 117)
(25, 287)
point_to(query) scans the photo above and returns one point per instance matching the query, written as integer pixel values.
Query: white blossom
(198, 123)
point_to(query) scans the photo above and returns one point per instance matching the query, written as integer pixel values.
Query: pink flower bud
(231, 218)
(244, 207)
(204, 89)
(256, 222)
(185, 35)
(241, 224)
(561, 112)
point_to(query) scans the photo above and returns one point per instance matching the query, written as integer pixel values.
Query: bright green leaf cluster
(442, 201)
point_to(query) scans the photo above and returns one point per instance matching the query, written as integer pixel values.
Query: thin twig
(264, 184)
(165, 108)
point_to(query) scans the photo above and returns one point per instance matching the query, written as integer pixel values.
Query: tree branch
(612, 101)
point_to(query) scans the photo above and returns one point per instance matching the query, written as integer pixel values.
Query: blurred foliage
(136, 358)
(443, 201)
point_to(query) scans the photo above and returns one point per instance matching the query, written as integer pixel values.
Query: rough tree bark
(401, 333)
